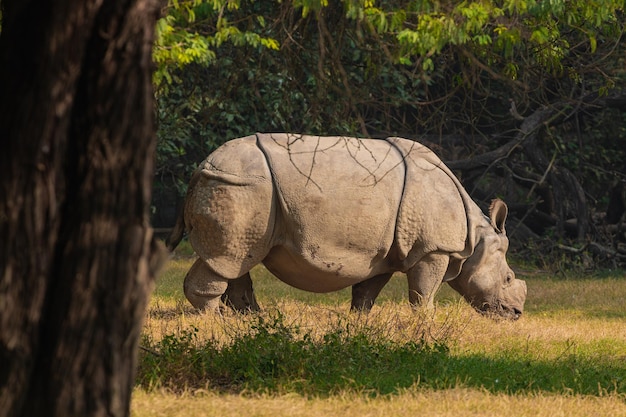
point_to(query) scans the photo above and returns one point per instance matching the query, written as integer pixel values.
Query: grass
(433, 403)
(305, 354)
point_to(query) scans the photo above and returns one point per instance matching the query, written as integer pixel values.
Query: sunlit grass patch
(578, 296)
(453, 402)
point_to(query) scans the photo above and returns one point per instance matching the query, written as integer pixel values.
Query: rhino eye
(509, 278)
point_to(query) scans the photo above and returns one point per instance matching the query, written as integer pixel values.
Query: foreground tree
(77, 259)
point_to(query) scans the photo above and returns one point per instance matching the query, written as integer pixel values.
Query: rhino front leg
(240, 295)
(203, 287)
(364, 293)
(425, 279)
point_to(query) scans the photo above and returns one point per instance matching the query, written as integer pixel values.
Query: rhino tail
(179, 228)
(177, 232)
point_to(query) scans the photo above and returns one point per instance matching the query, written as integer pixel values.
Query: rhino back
(338, 201)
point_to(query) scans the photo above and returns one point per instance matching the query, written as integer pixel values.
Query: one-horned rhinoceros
(325, 213)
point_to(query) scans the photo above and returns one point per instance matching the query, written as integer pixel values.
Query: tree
(524, 98)
(77, 259)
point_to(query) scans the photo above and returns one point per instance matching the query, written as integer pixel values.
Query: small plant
(174, 359)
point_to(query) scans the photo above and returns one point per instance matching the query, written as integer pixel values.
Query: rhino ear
(498, 211)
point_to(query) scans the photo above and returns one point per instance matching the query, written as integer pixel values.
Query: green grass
(599, 296)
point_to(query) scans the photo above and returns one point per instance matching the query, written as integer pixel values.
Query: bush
(276, 357)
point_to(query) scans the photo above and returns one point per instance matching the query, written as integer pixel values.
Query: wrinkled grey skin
(325, 213)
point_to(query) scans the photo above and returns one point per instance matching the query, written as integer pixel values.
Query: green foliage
(420, 30)
(191, 30)
(227, 69)
(359, 66)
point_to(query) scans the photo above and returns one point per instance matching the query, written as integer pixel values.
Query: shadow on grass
(574, 374)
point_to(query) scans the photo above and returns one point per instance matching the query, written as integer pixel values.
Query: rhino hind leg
(240, 295)
(364, 293)
(203, 287)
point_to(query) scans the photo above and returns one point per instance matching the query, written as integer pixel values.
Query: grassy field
(307, 355)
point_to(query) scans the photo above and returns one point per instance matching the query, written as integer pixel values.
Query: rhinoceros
(326, 213)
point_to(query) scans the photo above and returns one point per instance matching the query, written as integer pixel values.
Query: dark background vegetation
(545, 134)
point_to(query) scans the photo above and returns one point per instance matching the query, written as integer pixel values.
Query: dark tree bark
(617, 203)
(77, 259)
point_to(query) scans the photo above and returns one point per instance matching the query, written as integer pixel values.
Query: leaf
(540, 35)
(428, 65)
(594, 43)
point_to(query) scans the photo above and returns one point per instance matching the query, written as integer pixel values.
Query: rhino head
(486, 281)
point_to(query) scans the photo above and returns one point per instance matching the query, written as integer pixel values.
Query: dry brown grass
(448, 403)
(455, 321)
(389, 320)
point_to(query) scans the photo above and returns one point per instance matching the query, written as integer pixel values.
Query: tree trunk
(77, 259)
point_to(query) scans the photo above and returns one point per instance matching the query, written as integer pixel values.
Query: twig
(145, 349)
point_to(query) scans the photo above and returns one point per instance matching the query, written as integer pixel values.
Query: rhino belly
(321, 274)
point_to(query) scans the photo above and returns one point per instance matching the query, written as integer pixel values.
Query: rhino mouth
(499, 311)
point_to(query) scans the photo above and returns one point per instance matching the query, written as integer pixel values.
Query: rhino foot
(364, 293)
(203, 287)
(240, 295)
